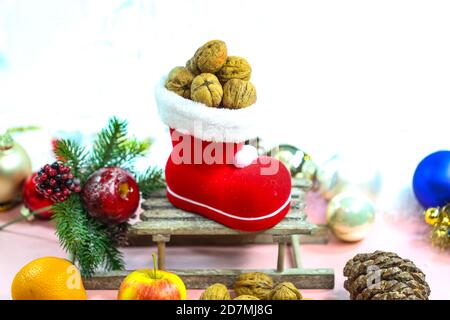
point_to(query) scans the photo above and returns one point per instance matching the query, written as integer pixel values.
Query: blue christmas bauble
(431, 181)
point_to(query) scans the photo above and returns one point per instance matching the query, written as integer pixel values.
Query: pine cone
(384, 276)
(118, 233)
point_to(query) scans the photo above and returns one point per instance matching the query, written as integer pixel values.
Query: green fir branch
(109, 141)
(73, 154)
(94, 244)
(85, 238)
(129, 151)
(112, 148)
(150, 180)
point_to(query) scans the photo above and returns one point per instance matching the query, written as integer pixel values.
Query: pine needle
(150, 181)
(72, 154)
(87, 239)
(93, 243)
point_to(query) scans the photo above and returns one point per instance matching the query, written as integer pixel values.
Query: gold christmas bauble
(350, 216)
(432, 216)
(298, 162)
(15, 167)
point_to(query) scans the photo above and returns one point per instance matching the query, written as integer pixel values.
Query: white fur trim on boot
(208, 124)
(245, 157)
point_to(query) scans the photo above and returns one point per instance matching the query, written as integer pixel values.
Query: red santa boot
(211, 172)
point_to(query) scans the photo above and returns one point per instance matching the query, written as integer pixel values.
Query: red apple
(33, 200)
(152, 284)
(111, 194)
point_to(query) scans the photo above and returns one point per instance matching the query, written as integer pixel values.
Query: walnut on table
(255, 284)
(217, 291)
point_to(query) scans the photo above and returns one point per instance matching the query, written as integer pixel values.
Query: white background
(353, 77)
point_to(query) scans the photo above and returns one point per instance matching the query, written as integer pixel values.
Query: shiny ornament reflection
(298, 162)
(439, 218)
(432, 216)
(341, 173)
(431, 181)
(350, 216)
(15, 167)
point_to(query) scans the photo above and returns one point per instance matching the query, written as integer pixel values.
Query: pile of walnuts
(213, 78)
(253, 286)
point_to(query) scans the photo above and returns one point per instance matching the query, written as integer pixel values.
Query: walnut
(246, 297)
(179, 81)
(216, 291)
(235, 68)
(285, 291)
(206, 89)
(210, 57)
(238, 94)
(256, 284)
(192, 67)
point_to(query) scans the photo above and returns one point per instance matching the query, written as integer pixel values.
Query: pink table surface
(25, 241)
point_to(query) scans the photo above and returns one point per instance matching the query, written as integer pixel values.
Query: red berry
(55, 181)
(33, 200)
(111, 195)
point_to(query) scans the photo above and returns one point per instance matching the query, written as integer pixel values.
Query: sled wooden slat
(319, 236)
(160, 217)
(162, 209)
(202, 278)
(162, 224)
(209, 227)
(157, 201)
(198, 227)
(298, 187)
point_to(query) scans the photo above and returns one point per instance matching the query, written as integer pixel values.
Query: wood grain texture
(159, 200)
(299, 188)
(166, 225)
(160, 217)
(296, 255)
(160, 208)
(209, 227)
(319, 236)
(202, 278)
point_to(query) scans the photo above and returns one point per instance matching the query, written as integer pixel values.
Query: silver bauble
(341, 173)
(350, 216)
